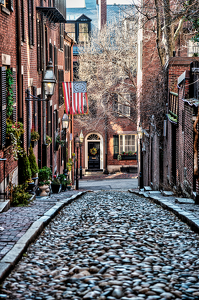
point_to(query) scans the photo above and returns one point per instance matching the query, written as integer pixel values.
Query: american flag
(75, 97)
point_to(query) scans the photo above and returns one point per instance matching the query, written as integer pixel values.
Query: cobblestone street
(109, 245)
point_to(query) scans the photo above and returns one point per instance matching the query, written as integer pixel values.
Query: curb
(183, 215)
(14, 255)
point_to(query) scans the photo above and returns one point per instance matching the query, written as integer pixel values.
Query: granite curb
(8, 262)
(183, 215)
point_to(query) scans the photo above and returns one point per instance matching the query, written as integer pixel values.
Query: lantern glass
(81, 137)
(65, 121)
(49, 80)
(77, 142)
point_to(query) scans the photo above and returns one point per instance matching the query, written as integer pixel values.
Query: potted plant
(25, 173)
(35, 136)
(56, 185)
(44, 176)
(48, 140)
(14, 130)
(69, 184)
(63, 181)
(59, 142)
(19, 195)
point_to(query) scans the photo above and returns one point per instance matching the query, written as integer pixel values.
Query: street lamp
(65, 121)
(140, 133)
(77, 143)
(81, 138)
(49, 82)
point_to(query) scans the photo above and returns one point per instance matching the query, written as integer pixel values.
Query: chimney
(102, 13)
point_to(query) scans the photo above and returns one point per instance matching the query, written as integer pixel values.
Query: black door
(93, 155)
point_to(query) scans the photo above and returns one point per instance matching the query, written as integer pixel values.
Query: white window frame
(192, 48)
(124, 110)
(122, 148)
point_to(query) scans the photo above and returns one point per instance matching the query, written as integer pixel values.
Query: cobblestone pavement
(109, 245)
(15, 222)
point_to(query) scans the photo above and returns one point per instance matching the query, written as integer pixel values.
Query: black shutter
(3, 105)
(30, 22)
(11, 5)
(61, 36)
(115, 104)
(28, 124)
(61, 79)
(65, 66)
(39, 130)
(115, 146)
(14, 113)
(38, 46)
(194, 88)
(69, 58)
(49, 120)
(35, 108)
(54, 128)
(22, 22)
(50, 52)
(41, 46)
(46, 42)
(55, 61)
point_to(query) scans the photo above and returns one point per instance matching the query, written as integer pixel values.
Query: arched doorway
(94, 152)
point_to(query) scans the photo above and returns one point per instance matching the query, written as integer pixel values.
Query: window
(31, 22)
(193, 49)
(61, 37)
(124, 110)
(83, 32)
(8, 4)
(70, 29)
(61, 79)
(127, 143)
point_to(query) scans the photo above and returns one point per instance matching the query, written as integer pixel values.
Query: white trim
(86, 148)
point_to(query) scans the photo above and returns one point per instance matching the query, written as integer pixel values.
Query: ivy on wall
(10, 93)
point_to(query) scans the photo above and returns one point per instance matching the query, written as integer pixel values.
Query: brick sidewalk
(16, 221)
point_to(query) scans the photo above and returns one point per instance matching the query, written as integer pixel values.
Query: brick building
(32, 34)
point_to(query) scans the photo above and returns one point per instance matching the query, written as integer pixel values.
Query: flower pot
(64, 187)
(44, 189)
(55, 188)
(69, 187)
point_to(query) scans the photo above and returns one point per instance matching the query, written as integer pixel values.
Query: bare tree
(169, 20)
(108, 64)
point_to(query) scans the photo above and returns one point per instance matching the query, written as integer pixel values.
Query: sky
(80, 3)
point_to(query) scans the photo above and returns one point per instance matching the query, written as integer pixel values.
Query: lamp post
(81, 139)
(65, 124)
(140, 156)
(77, 143)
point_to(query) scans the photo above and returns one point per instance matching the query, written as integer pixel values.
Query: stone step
(184, 201)
(147, 188)
(167, 193)
(4, 205)
(87, 173)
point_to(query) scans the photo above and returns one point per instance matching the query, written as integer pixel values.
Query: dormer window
(79, 29)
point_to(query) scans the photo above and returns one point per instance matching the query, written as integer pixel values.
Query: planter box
(129, 157)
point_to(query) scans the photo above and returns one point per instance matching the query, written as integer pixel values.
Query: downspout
(19, 65)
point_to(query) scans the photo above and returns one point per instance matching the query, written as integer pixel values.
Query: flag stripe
(75, 99)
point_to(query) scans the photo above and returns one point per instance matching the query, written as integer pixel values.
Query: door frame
(101, 149)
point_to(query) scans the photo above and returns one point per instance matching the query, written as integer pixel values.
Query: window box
(129, 157)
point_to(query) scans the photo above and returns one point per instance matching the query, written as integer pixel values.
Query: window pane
(121, 143)
(129, 143)
(70, 29)
(83, 32)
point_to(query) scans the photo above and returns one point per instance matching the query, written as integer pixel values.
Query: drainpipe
(19, 64)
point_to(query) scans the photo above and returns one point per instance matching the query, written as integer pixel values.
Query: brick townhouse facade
(32, 34)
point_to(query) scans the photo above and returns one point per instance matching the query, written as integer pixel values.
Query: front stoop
(4, 206)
